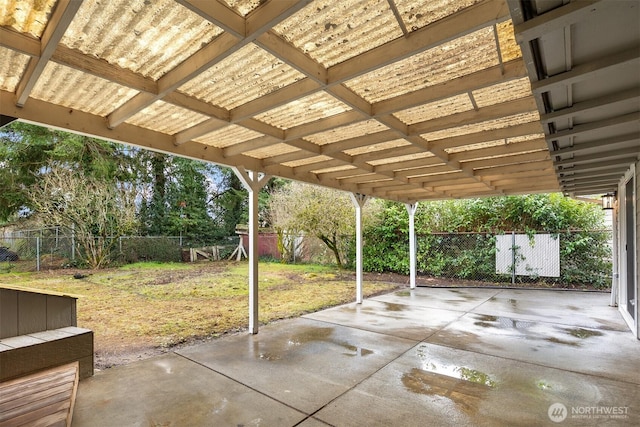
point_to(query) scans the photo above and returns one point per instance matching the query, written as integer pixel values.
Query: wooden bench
(38, 330)
(25, 354)
(45, 398)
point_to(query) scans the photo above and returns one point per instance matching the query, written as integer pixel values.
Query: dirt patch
(105, 359)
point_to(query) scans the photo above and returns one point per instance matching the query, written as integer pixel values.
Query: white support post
(411, 210)
(358, 201)
(615, 282)
(253, 182)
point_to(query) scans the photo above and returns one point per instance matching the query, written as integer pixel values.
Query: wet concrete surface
(456, 299)
(301, 362)
(585, 309)
(172, 391)
(429, 356)
(391, 318)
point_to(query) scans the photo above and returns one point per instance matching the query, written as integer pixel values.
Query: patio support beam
(217, 50)
(253, 182)
(456, 25)
(623, 153)
(411, 210)
(219, 14)
(586, 71)
(615, 256)
(359, 201)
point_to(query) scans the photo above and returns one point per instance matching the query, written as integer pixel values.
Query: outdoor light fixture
(608, 200)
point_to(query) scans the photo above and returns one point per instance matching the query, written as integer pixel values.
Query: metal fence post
(513, 257)
(73, 242)
(37, 253)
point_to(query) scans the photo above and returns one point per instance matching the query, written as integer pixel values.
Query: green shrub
(464, 246)
(136, 249)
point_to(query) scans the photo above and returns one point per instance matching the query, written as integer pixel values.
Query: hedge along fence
(584, 257)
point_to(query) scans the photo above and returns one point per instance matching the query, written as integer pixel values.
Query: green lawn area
(146, 307)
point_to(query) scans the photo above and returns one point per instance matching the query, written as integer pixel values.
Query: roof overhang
(398, 99)
(583, 59)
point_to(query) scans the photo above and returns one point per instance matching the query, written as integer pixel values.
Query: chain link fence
(568, 258)
(37, 249)
(54, 248)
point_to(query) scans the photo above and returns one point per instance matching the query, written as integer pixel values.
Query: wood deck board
(42, 399)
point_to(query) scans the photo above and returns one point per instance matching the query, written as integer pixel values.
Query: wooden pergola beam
(60, 19)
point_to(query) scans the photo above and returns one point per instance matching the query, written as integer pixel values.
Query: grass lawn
(145, 308)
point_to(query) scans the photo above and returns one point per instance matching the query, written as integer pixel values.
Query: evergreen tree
(230, 204)
(152, 176)
(28, 151)
(188, 201)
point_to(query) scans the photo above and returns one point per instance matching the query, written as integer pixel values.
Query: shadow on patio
(429, 356)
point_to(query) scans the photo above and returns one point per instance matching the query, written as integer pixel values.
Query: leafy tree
(526, 214)
(264, 199)
(96, 210)
(324, 213)
(386, 239)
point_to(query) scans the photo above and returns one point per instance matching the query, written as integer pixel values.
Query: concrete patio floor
(429, 356)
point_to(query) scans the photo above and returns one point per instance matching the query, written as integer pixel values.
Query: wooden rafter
(57, 25)
(403, 145)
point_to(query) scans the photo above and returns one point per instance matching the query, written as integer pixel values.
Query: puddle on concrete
(347, 309)
(463, 294)
(312, 335)
(429, 364)
(270, 357)
(165, 365)
(475, 376)
(356, 351)
(579, 333)
(565, 342)
(583, 333)
(543, 385)
(486, 318)
(514, 305)
(502, 322)
(275, 350)
(465, 394)
(390, 306)
(388, 312)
